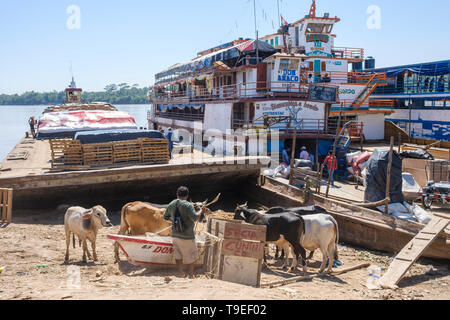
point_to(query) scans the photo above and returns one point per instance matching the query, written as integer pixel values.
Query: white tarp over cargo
(67, 124)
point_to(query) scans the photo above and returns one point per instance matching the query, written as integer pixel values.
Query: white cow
(321, 231)
(85, 224)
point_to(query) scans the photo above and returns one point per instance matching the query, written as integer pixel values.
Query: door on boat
(317, 70)
(238, 120)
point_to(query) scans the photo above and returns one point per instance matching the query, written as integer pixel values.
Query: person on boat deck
(31, 122)
(328, 161)
(304, 155)
(184, 245)
(170, 138)
(285, 156)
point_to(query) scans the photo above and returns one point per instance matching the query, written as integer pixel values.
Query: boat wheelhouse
(303, 82)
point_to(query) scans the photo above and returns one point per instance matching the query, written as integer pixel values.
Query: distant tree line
(114, 94)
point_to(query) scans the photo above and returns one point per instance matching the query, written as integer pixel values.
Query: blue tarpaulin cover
(103, 136)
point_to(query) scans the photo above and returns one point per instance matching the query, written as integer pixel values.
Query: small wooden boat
(358, 226)
(152, 250)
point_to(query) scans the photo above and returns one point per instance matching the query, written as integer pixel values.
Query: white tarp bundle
(66, 124)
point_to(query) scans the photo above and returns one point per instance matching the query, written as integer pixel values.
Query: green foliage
(114, 94)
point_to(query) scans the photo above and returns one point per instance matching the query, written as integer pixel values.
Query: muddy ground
(32, 253)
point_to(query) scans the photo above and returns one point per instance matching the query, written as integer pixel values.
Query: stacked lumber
(71, 155)
(301, 175)
(78, 107)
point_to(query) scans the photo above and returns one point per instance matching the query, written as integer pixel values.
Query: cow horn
(212, 202)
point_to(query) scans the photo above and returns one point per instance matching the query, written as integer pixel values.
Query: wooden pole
(399, 142)
(334, 152)
(302, 278)
(291, 176)
(388, 179)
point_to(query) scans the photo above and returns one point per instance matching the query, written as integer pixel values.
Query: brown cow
(138, 218)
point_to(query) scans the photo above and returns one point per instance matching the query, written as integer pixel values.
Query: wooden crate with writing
(237, 257)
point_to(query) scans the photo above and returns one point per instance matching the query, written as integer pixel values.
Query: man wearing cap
(304, 155)
(181, 212)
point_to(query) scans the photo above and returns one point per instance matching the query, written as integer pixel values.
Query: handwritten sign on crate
(242, 248)
(245, 232)
(239, 258)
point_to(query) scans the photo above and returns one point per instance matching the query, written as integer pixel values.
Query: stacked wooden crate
(127, 151)
(98, 154)
(66, 153)
(154, 151)
(70, 154)
(437, 170)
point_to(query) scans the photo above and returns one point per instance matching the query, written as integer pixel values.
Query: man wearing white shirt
(304, 155)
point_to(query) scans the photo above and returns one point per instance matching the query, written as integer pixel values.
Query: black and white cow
(301, 211)
(282, 229)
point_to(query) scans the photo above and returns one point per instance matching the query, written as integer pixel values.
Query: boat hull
(151, 251)
(358, 226)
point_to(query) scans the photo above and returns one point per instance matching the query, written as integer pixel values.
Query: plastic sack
(404, 216)
(422, 216)
(268, 173)
(351, 157)
(394, 208)
(417, 154)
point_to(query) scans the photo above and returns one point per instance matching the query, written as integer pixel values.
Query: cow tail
(73, 240)
(123, 221)
(336, 253)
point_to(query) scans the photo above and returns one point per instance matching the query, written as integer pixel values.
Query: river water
(14, 122)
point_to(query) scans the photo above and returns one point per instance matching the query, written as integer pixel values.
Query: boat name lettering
(288, 75)
(347, 91)
(160, 249)
(317, 37)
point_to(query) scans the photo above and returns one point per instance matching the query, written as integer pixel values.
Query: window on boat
(290, 64)
(315, 28)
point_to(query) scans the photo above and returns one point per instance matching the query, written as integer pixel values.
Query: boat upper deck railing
(264, 89)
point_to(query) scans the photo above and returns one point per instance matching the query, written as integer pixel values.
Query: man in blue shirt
(286, 157)
(170, 138)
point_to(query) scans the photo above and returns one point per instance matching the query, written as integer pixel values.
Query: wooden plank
(9, 208)
(412, 251)
(3, 205)
(245, 231)
(242, 248)
(302, 278)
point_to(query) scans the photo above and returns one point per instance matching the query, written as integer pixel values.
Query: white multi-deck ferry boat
(295, 78)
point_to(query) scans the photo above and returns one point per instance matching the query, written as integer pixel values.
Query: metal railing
(269, 89)
(179, 116)
(415, 88)
(348, 53)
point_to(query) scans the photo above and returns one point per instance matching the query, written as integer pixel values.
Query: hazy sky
(130, 41)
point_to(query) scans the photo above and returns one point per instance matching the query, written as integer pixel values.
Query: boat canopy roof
(207, 60)
(438, 68)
